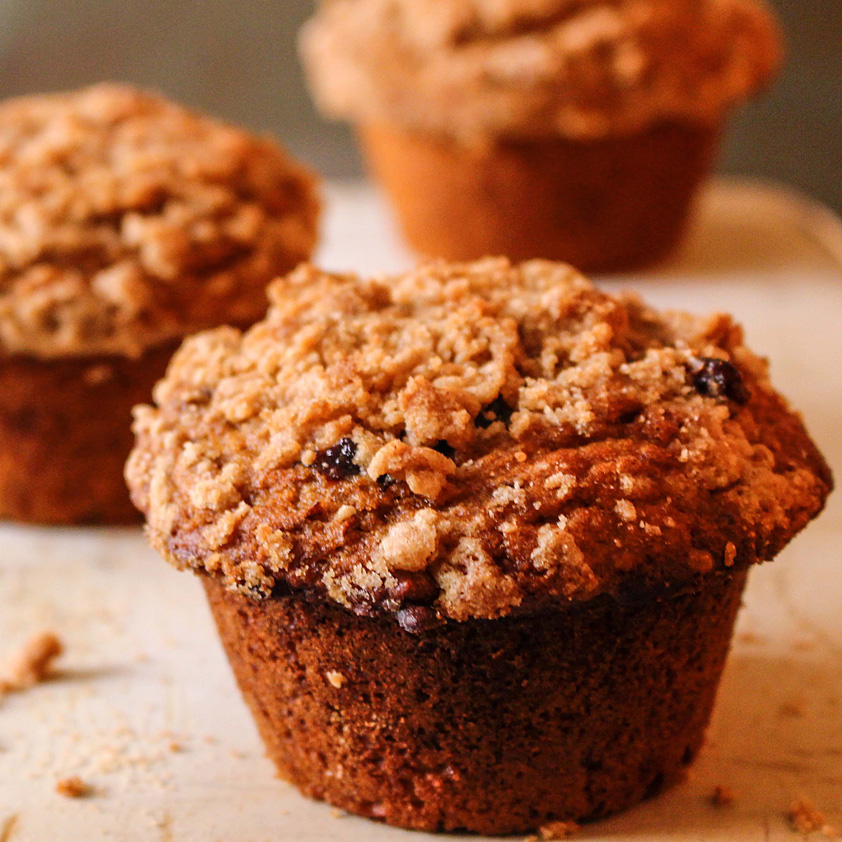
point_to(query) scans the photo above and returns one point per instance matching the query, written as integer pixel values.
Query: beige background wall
(236, 58)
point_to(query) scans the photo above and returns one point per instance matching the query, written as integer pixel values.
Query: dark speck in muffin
(337, 462)
(716, 378)
(386, 481)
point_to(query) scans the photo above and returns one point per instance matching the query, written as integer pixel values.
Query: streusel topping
(524, 68)
(467, 441)
(126, 221)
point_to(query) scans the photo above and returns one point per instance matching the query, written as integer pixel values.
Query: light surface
(145, 709)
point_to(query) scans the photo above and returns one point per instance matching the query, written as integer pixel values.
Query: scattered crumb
(723, 796)
(795, 708)
(338, 814)
(749, 637)
(555, 830)
(175, 747)
(7, 828)
(32, 664)
(804, 818)
(335, 679)
(73, 787)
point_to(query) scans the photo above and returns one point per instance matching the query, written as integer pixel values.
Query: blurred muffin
(474, 537)
(577, 131)
(126, 222)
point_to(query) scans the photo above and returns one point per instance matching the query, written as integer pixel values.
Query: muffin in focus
(126, 223)
(474, 537)
(540, 128)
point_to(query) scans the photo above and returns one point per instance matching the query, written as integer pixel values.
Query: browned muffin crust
(127, 221)
(469, 441)
(491, 726)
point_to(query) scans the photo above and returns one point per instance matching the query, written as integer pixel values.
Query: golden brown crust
(476, 69)
(127, 221)
(468, 441)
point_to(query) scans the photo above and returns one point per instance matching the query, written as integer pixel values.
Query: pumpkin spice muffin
(474, 537)
(569, 130)
(126, 223)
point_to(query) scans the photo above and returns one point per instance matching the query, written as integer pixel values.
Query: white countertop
(145, 709)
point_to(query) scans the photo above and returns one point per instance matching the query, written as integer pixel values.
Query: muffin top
(476, 69)
(469, 441)
(127, 221)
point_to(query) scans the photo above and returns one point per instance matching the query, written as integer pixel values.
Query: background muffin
(126, 222)
(475, 537)
(540, 128)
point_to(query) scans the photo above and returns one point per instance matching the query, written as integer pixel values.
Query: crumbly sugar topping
(476, 69)
(468, 441)
(126, 221)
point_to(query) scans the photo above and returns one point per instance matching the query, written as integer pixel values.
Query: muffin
(540, 128)
(126, 223)
(474, 537)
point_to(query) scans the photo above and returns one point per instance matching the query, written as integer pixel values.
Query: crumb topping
(468, 440)
(523, 68)
(127, 221)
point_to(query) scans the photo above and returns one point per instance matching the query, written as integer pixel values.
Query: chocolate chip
(716, 378)
(416, 588)
(497, 410)
(337, 462)
(418, 618)
(386, 481)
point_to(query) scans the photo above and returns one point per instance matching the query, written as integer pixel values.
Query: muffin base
(65, 435)
(611, 204)
(488, 726)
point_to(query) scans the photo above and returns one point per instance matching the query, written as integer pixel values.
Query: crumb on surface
(723, 796)
(32, 664)
(804, 817)
(7, 827)
(555, 830)
(73, 787)
(334, 678)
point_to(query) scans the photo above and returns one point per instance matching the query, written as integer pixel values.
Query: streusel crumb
(127, 221)
(469, 440)
(524, 68)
